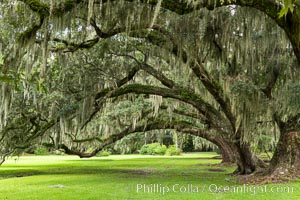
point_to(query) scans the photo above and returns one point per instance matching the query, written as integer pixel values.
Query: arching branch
(290, 23)
(189, 97)
(71, 47)
(199, 70)
(104, 92)
(270, 7)
(216, 91)
(157, 124)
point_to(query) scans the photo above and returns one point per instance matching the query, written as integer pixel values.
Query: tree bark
(286, 157)
(292, 29)
(2, 160)
(228, 155)
(245, 160)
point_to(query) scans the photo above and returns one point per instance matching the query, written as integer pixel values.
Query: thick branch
(169, 83)
(268, 89)
(120, 83)
(152, 71)
(105, 91)
(215, 90)
(271, 8)
(181, 94)
(185, 113)
(112, 139)
(38, 7)
(43, 9)
(293, 123)
(71, 47)
(199, 70)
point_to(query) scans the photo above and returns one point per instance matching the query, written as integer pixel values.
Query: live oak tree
(235, 116)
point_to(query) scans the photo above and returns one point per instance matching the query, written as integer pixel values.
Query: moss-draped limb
(212, 86)
(43, 9)
(71, 47)
(175, 91)
(119, 83)
(271, 8)
(181, 94)
(102, 94)
(24, 141)
(199, 70)
(30, 33)
(38, 7)
(156, 124)
(185, 113)
(216, 91)
(292, 29)
(153, 72)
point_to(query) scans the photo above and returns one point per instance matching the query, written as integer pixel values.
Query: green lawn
(129, 177)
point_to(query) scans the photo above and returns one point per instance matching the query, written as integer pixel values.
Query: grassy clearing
(118, 177)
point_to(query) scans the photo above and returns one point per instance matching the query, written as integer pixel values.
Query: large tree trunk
(247, 162)
(245, 159)
(286, 158)
(240, 154)
(225, 145)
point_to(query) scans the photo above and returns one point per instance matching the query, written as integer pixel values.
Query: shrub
(172, 151)
(105, 153)
(145, 149)
(153, 149)
(160, 150)
(218, 151)
(41, 150)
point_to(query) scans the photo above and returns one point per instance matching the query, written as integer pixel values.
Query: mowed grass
(189, 176)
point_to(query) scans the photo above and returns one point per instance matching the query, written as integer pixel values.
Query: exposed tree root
(280, 175)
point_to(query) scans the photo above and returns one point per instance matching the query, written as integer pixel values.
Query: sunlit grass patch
(189, 176)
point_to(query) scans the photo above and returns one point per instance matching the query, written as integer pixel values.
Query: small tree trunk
(2, 160)
(3, 157)
(176, 139)
(286, 157)
(228, 155)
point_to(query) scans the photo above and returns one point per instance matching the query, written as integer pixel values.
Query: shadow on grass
(124, 172)
(132, 167)
(143, 159)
